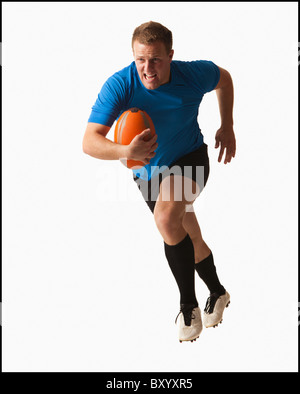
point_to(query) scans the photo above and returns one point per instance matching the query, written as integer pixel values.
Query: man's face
(152, 63)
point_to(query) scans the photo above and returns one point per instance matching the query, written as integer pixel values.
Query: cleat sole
(188, 340)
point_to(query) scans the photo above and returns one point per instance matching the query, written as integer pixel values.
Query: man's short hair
(151, 32)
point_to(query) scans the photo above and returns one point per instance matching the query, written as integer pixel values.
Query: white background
(86, 286)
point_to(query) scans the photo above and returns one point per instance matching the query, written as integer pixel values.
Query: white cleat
(189, 322)
(214, 308)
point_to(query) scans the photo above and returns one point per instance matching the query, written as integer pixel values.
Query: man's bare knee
(168, 218)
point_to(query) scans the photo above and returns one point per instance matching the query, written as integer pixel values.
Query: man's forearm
(100, 147)
(225, 100)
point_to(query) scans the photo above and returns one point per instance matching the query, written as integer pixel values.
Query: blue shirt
(173, 107)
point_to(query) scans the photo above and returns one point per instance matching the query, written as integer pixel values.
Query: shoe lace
(187, 311)
(211, 302)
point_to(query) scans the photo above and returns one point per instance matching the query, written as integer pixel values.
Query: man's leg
(204, 263)
(169, 212)
(176, 196)
(191, 226)
(179, 251)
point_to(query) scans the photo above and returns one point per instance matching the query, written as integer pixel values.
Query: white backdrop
(86, 286)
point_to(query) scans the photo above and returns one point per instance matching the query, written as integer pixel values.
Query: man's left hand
(226, 138)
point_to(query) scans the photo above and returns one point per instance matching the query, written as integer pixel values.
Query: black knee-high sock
(181, 261)
(208, 273)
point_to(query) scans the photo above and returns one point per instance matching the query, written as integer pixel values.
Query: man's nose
(148, 66)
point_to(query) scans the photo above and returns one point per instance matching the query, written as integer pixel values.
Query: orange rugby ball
(131, 123)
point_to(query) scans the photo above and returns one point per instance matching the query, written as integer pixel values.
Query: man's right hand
(142, 148)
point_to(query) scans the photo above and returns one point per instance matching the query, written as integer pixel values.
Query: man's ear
(171, 55)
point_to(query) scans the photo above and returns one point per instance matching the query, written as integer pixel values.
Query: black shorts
(194, 165)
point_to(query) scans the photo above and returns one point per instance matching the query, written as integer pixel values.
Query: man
(170, 92)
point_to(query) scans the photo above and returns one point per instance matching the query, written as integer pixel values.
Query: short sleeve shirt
(173, 107)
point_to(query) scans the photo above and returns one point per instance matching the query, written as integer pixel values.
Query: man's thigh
(178, 188)
(177, 194)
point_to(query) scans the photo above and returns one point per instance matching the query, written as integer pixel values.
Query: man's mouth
(150, 77)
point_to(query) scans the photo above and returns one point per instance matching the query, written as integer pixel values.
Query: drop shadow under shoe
(214, 308)
(189, 322)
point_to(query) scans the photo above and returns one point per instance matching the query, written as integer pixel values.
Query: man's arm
(97, 145)
(225, 135)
